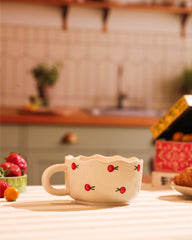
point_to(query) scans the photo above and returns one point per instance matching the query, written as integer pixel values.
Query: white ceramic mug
(97, 179)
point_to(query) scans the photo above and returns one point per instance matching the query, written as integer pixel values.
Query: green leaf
(46, 75)
(1, 172)
(4, 173)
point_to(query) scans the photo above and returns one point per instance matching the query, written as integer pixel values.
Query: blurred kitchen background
(138, 53)
(147, 45)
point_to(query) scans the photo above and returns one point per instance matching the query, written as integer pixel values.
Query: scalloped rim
(99, 157)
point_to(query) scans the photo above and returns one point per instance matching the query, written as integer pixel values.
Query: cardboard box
(173, 156)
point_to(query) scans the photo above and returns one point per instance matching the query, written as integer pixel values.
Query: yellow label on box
(168, 118)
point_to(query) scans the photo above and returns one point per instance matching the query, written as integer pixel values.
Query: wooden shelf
(110, 5)
(106, 6)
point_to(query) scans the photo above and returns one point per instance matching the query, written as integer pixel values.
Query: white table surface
(154, 214)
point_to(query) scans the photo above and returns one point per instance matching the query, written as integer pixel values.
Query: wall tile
(36, 50)
(90, 63)
(14, 48)
(41, 35)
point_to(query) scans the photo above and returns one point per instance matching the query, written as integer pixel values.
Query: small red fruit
(121, 190)
(88, 187)
(138, 167)
(18, 160)
(74, 166)
(3, 186)
(14, 169)
(111, 168)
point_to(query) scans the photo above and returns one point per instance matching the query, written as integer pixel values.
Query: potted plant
(45, 77)
(186, 80)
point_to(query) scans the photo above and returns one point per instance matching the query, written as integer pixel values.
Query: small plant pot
(18, 182)
(46, 93)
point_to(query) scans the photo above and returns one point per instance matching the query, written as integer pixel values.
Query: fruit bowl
(18, 182)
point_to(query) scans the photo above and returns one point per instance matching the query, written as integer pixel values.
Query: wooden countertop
(73, 117)
(153, 214)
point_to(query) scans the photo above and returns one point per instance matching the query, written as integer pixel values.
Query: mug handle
(46, 179)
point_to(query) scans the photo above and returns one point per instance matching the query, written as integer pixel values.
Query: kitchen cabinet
(12, 139)
(42, 145)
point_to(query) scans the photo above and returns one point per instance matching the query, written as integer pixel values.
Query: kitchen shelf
(11, 115)
(111, 5)
(184, 12)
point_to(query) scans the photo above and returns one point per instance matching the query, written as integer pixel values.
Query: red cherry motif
(121, 190)
(74, 166)
(138, 167)
(88, 187)
(111, 168)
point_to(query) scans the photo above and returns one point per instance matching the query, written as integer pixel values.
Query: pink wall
(150, 55)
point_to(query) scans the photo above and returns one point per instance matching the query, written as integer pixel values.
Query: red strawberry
(88, 187)
(3, 185)
(111, 168)
(18, 160)
(74, 166)
(14, 169)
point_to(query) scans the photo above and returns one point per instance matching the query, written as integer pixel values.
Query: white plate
(184, 190)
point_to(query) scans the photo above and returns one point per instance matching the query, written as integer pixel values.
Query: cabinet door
(45, 146)
(9, 138)
(41, 145)
(13, 138)
(38, 162)
(111, 138)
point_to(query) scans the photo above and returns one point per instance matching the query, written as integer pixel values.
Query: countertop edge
(81, 119)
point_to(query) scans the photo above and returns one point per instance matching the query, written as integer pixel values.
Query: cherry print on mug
(137, 167)
(88, 187)
(74, 166)
(111, 168)
(121, 190)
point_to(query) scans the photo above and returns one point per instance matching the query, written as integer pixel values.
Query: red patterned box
(172, 156)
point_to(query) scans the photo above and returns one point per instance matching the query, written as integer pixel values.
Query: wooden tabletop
(73, 117)
(154, 214)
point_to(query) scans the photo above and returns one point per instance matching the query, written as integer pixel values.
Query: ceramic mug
(97, 179)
